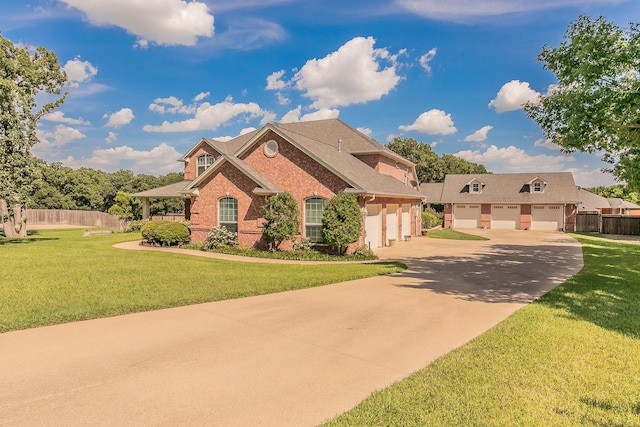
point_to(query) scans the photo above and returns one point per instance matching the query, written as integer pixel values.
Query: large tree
(429, 166)
(24, 74)
(596, 104)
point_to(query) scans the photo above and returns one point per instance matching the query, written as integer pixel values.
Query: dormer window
(537, 185)
(475, 187)
(204, 161)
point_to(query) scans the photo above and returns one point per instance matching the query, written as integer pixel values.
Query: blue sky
(148, 78)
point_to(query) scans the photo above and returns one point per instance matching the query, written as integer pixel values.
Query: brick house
(227, 183)
(519, 201)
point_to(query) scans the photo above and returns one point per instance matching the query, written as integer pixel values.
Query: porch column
(145, 208)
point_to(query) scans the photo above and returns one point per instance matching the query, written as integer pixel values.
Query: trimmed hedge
(165, 233)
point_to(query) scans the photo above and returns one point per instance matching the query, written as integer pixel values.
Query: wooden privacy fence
(616, 224)
(588, 222)
(70, 217)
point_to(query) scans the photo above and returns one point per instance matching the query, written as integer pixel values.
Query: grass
(58, 276)
(451, 234)
(307, 255)
(569, 359)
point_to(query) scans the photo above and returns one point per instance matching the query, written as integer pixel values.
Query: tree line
(56, 186)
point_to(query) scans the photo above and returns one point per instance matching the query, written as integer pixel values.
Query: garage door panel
(547, 217)
(392, 222)
(505, 217)
(373, 226)
(466, 216)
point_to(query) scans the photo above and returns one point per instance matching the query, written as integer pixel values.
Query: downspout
(366, 212)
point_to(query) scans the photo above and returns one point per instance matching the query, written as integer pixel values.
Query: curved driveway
(293, 358)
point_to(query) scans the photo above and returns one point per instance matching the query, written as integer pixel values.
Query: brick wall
(525, 217)
(485, 216)
(387, 166)
(191, 168)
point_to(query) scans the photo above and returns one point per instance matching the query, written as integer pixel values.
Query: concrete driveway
(288, 359)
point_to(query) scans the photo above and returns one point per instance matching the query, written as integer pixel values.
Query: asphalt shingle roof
(507, 188)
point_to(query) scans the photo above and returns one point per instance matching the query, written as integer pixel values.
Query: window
(228, 213)
(271, 148)
(537, 187)
(313, 208)
(475, 188)
(204, 162)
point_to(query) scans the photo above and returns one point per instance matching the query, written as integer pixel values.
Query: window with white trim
(537, 187)
(475, 187)
(204, 161)
(313, 208)
(228, 213)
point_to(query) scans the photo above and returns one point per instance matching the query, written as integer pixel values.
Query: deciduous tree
(596, 104)
(24, 73)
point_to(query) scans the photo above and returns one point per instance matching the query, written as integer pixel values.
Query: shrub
(341, 221)
(364, 252)
(219, 237)
(135, 225)
(429, 219)
(165, 233)
(281, 215)
(302, 245)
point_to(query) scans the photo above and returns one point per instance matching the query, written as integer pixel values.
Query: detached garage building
(523, 201)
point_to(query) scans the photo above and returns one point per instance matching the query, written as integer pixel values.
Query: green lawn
(451, 234)
(572, 358)
(58, 276)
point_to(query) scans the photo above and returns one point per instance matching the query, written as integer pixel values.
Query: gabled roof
(432, 191)
(264, 185)
(590, 202)
(509, 188)
(617, 203)
(318, 140)
(166, 192)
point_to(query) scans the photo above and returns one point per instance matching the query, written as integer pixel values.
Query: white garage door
(466, 216)
(546, 217)
(406, 220)
(392, 222)
(373, 226)
(505, 217)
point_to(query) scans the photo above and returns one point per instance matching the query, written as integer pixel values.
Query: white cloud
(111, 137)
(513, 95)
(366, 131)
(425, 59)
(174, 105)
(275, 82)
(463, 10)
(351, 75)
(479, 135)
(58, 117)
(119, 118)
(51, 141)
(514, 159)
(432, 122)
(283, 99)
(547, 143)
(202, 95)
(165, 22)
(79, 71)
(592, 178)
(159, 160)
(248, 33)
(321, 114)
(211, 117)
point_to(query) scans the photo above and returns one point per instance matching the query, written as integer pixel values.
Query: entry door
(392, 222)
